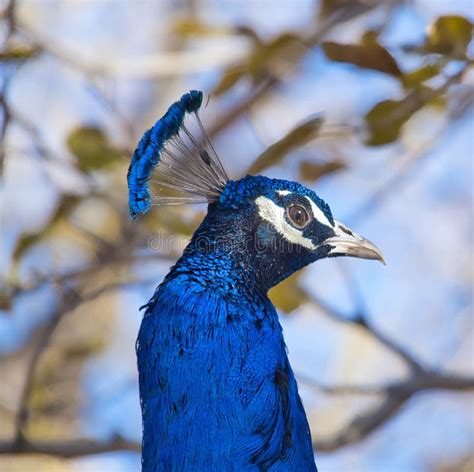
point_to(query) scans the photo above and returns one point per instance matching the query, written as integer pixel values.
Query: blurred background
(368, 102)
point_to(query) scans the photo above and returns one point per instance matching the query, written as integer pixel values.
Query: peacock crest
(169, 156)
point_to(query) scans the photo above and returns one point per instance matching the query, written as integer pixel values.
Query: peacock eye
(298, 216)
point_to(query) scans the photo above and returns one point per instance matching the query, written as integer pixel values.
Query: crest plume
(171, 157)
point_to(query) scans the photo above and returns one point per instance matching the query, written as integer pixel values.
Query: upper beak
(348, 243)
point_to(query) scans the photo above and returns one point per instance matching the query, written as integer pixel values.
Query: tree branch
(68, 448)
(8, 16)
(397, 394)
(69, 300)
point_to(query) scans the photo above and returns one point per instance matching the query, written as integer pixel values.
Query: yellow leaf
(450, 35)
(385, 120)
(314, 170)
(417, 76)
(92, 148)
(229, 78)
(368, 55)
(280, 52)
(188, 26)
(27, 240)
(287, 295)
(192, 27)
(298, 137)
(18, 53)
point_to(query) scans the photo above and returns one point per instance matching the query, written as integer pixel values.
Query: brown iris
(298, 216)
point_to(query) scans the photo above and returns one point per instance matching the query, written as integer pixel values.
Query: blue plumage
(216, 388)
(149, 151)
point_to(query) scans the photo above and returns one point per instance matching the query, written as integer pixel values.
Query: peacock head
(270, 227)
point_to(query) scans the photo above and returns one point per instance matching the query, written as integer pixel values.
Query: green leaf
(416, 77)
(311, 171)
(450, 35)
(368, 55)
(27, 240)
(298, 137)
(385, 120)
(84, 348)
(287, 295)
(229, 78)
(281, 51)
(92, 149)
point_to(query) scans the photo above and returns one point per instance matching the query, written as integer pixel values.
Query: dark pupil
(298, 215)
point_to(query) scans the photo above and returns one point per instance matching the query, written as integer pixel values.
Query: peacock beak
(348, 243)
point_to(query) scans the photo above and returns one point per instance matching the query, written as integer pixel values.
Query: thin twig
(68, 301)
(360, 319)
(340, 389)
(68, 448)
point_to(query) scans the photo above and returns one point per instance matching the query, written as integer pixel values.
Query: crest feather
(171, 157)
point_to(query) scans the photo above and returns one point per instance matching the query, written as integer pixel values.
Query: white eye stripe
(274, 214)
(318, 214)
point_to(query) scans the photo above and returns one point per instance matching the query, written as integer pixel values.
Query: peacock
(217, 391)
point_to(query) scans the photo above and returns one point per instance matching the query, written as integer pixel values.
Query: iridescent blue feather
(177, 160)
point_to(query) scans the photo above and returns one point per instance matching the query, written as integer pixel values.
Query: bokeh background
(368, 102)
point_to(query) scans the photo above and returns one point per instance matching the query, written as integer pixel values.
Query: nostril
(346, 230)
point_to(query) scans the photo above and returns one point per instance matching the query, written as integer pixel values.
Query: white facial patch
(274, 214)
(318, 214)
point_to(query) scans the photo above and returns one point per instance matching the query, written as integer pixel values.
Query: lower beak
(348, 243)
